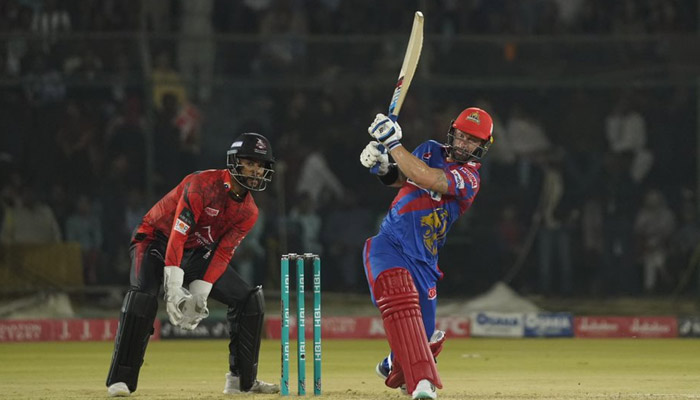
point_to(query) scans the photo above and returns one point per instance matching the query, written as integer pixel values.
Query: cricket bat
(408, 69)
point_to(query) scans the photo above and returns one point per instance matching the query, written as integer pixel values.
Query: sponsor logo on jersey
(473, 182)
(205, 240)
(474, 117)
(212, 212)
(432, 293)
(181, 226)
(435, 228)
(459, 182)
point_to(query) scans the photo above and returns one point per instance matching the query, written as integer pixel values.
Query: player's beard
(460, 154)
(254, 182)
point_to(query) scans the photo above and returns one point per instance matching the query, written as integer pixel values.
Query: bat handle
(375, 167)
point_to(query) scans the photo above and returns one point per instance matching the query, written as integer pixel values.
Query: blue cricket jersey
(419, 219)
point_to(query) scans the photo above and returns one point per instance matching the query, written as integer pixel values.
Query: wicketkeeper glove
(175, 294)
(386, 131)
(195, 309)
(375, 159)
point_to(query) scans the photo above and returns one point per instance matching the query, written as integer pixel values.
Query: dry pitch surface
(559, 369)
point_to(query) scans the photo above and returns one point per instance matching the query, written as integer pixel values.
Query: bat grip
(375, 167)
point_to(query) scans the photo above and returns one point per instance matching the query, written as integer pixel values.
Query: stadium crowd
(596, 185)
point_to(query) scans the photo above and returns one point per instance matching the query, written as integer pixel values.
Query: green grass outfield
(471, 369)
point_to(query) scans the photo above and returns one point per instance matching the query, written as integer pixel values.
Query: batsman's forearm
(418, 171)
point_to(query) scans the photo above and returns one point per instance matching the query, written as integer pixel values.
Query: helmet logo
(260, 147)
(474, 117)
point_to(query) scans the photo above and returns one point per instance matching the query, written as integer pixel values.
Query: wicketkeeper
(184, 244)
(438, 183)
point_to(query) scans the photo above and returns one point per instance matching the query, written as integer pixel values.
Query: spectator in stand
(29, 221)
(357, 223)
(282, 49)
(9, 191)
(554, 236)
(166, 80)
(167, 145)
(50, 20)
(500, 164)
(158, 15)
(620, 204)
(84, 227)
(43, 84)
(18, 46)
(626, 131)
(75, 142)
(317, 180)
(197, 48)
(304, 215)
(654, 225)
(115, 186)
(508, 236)
(120, 69)
(125, 135)
(83, 63)
(61, 204)
(134, 211)
(684, 245)
(189, 125)
(529, 143)
(250, 256)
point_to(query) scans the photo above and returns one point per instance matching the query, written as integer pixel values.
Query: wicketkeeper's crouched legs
(135, 328)
(246, 325)
(397, 299)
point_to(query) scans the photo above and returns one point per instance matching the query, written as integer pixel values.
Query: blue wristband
(392, 145)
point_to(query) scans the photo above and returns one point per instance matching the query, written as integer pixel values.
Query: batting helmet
(474, 122)
(252, 146)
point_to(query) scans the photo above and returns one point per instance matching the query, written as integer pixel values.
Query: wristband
(393, 144)
(391, 176)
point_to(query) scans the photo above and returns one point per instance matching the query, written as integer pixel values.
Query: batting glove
(386, 131)
(175, 294)
(375, 159)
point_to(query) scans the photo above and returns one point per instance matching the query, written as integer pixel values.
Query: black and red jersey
(201, 212)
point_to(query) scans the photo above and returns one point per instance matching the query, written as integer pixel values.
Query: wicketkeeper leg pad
(244, 348)
(397, 299)
(135, 328)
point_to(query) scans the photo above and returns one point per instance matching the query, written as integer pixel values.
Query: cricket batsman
(438, 183)
(184, 244)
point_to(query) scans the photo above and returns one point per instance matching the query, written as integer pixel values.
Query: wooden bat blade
(408, 68)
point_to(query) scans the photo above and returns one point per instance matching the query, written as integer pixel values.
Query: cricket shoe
(118, 389)
(383, 369)
(233, 386)
(424, 390)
